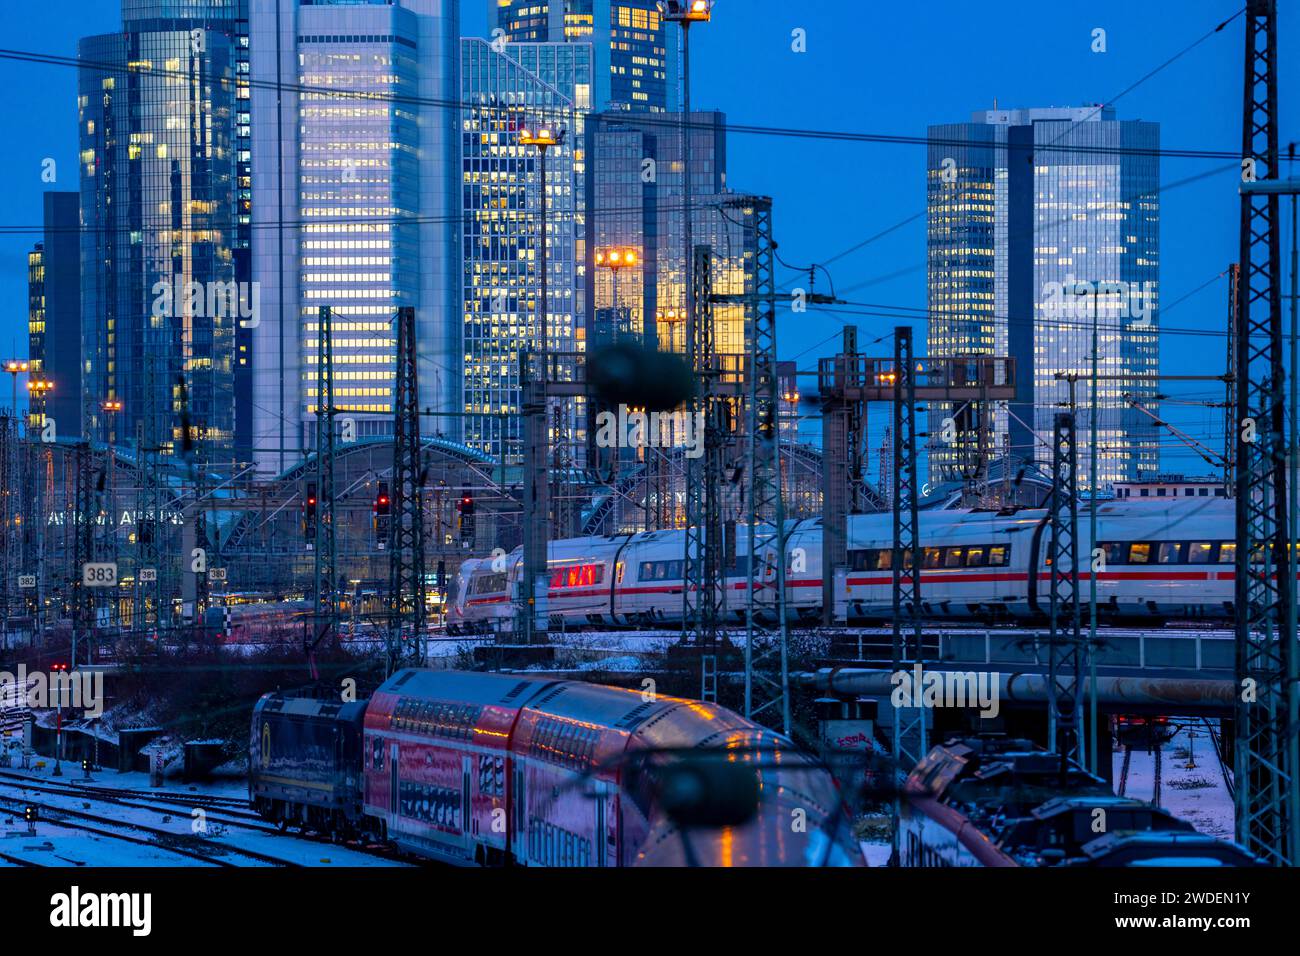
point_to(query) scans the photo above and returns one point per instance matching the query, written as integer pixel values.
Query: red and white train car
(488, 768)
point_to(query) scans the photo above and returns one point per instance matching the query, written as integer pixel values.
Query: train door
(600, 837)
(467, 839)
(393, 781)
(518, 838)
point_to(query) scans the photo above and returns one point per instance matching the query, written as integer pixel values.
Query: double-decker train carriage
(996, 801)
(304, 764)
(1155, 561)
(491, 768)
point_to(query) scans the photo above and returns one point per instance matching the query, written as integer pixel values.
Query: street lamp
(16, 367)
(616, 259)
(684, 13)
(37, 390)
(537, 450)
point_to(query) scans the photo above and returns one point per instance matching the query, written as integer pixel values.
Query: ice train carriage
(624, 580)
(1162, 560)
(488, 768)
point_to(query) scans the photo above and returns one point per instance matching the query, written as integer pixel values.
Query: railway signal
(309, 505)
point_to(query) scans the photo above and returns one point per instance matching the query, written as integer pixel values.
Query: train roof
(470, 687)
(1165, 848)
(291, 703)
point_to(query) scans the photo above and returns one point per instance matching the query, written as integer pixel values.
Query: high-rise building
(355, 208)
(503, 92)
(635, 64)
(1038, 217)
(635, 199)
(54, 314)
(159, 178)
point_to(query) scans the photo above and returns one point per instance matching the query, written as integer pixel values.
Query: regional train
(996, 801)
(1158, 560)
(491, 769)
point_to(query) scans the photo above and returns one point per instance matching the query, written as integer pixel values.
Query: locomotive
(493, 769)
(996, 801)
(1156, 561)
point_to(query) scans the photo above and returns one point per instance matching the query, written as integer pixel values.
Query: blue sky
(876, 67)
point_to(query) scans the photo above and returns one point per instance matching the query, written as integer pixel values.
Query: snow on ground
(876, 854)
(55, 845)
(1193, 793)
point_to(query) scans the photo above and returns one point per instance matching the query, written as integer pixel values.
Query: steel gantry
(406, 581)
(767, 673)
(325, 570)
(1065, 642)
(905, 561)
(1266, 751)
(703, 579)
(843, 440)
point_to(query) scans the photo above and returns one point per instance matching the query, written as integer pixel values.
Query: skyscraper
(1038, 217)
(523, 84)
(54, 313)
(635, 64)
(157, 108)
(635, 197)
(355, 156)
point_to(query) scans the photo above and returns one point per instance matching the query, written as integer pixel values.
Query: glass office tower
(354, 208)
(526, 83)
(157, 104)
(1036, 217)
(54, 313)
(635, 64)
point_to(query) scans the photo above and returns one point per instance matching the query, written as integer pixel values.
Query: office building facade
(1036, 219)
(54, 315)
(634, 62)
(354, 208)
(523, 85)
(635, 198)
(157, 105)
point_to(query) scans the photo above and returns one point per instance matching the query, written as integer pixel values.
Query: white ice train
(1163, 560)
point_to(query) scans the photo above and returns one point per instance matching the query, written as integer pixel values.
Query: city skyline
(816, 332)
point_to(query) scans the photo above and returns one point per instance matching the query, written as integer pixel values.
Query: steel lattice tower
(1266, 759)
(906, 557)
(325, 616)
(406, 529)
(1065, 642)
(765, 491)
(702, 591)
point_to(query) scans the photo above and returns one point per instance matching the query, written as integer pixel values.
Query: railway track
(236, 815)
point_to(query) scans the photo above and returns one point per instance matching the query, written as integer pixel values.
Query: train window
(884, 559)
(999, 555)
(931, 557)
(1257, 555)
(1200, 552)
(1114, 552)
(1169, 552)
(952, 557)
(1139, 552)
(377, 753)
(490, 583)
(858, 560)
(1227, 552)
(976, 557)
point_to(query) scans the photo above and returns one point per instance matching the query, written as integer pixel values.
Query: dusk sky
(936, 62)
